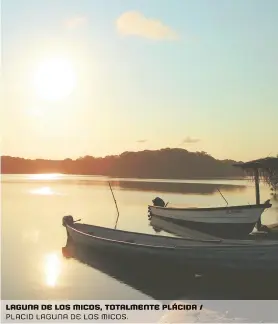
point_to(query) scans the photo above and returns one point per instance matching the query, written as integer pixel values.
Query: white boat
(226, 222)
(193, 253)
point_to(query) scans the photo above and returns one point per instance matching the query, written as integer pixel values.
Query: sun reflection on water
(52, 269)
(42, 191)
(45, 176)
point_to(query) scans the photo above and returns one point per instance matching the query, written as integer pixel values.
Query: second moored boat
(225, 222)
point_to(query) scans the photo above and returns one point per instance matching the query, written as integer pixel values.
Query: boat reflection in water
(166, 281)
(153, 279)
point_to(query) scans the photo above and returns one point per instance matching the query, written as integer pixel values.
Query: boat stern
(157, 202)
(67, 220)
(151, 211)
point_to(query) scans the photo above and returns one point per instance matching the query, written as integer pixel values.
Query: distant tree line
(165, 163)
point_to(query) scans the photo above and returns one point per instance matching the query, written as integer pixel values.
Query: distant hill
(168, 163)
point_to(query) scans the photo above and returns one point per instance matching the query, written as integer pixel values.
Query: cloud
(135, 23)
(142, 141)
(190, 140)
(76, 22)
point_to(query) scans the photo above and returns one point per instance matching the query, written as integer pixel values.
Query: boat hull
(199, 256)
(227, 230)
(227, 222)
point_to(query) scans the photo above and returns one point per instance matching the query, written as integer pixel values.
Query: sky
(100, 77)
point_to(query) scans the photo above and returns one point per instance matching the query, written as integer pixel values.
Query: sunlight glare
(54, 79)
(52, 268)
(45, 191)
(45, 176)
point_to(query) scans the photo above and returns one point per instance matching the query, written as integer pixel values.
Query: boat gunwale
(227, 244)
(267, 205)
(141, 234)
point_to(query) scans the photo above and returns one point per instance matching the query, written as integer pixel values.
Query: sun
(54, 79)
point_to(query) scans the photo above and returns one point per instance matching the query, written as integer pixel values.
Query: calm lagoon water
(33, 266)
